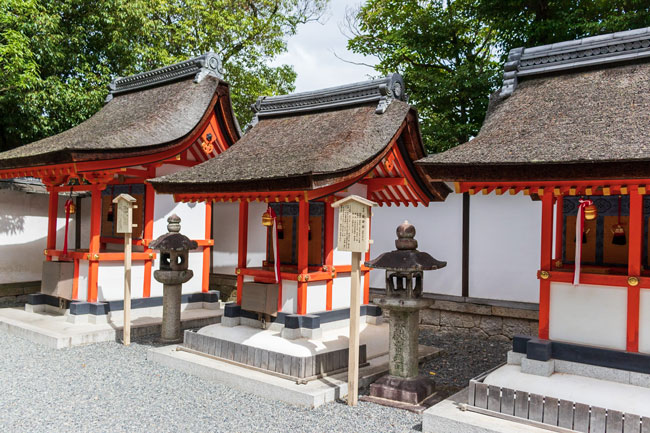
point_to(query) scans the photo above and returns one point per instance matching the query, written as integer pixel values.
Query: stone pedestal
(172, 292)
(403, 387)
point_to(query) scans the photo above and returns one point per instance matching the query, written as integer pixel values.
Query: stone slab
(313, 394)
(585, 390)
(447, 416)
(538, 368)
(53, 330)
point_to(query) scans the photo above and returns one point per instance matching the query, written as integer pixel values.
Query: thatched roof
(143, 112)
(582, 118)
(304, 141)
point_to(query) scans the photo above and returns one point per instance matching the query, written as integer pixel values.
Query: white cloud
(314, 49)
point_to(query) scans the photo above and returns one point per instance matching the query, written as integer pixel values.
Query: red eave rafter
(571, 188)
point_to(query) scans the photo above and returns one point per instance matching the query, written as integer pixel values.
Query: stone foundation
(485, 318)
(15, 294)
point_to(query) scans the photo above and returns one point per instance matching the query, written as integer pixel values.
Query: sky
(312, 51)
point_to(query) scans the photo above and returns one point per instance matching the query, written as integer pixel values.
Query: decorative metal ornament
(591, 212)
(267, 220)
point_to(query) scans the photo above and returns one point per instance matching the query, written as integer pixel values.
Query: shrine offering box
(57, 279)
(260, 298)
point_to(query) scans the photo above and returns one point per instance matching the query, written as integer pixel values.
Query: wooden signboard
(124, 224)
(354, 236)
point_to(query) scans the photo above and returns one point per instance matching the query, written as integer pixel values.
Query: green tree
(58, 56)
(451, 51)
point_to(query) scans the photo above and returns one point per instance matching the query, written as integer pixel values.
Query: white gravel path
(110, 388)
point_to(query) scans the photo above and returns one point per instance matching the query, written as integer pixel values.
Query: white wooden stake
(125, 206)
(355, 317)
(127, 288)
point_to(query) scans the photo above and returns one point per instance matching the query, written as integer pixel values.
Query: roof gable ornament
(382, 90)
(201, 67)
(581, 53)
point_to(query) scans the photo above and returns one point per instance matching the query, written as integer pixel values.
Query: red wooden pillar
(545, 264)
(53, 209)
(329, 251)
(366, 274)
(149, 206)
(206, 249)
(559, 226)
(634, 268)
(243, 246)
(303, 253)
(93, 250)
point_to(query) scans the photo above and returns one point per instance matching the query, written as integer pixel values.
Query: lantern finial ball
(405, 237)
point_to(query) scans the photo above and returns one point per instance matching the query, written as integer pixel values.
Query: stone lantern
(174, 253)
(404, 266)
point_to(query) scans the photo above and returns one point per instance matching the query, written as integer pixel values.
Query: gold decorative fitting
(325, 269)
(632, 281)
(96, 257)
(306, 278)
(300, 277)
(267, 220)
(45, 252)
(544, 275)
(237, 271)
(558, 264)
(151, 255)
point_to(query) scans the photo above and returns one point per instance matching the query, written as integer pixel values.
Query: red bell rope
(580, 227)
(276, 249)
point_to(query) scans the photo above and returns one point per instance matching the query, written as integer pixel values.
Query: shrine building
(569, 128)
(153, 123)
(303, 152)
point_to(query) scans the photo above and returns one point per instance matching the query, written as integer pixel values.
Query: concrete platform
(311, 394)
(55, 331)
(448, 416)
(587, 390)
(375, 337)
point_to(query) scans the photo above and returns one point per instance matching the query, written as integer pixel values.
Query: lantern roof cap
(406, 258)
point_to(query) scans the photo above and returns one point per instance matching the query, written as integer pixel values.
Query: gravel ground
(106, 386)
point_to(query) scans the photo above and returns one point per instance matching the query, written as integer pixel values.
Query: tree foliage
(58, 56)
(450, 52)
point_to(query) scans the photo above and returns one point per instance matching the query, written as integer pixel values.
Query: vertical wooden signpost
(125, 205)
(354, 236)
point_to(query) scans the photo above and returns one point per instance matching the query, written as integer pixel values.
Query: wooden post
(559, 226)
(149, 208)
(329, 252)
(51, 222)
(205, 284)
(355, 317)
(354, 236)
(125, 205)
(242, 246)
(93, 249)
(635, 256)
(545, 264)
(303, 253)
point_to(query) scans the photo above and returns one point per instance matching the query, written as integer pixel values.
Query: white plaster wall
(316, 296)
(341, 291)
(225, 232)
(256, 235)
(504, 247)
(290, 296)
(644, 321)
(23, 234)
(439, 230)
(110, 285)
(589, 314)
(82, 290)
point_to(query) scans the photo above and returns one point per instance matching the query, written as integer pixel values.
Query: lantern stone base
(415, 394)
